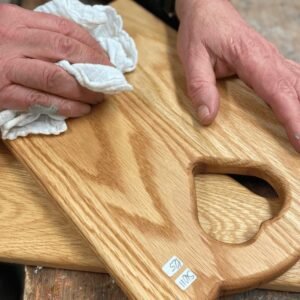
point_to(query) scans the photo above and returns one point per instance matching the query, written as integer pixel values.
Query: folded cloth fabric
(106, 26)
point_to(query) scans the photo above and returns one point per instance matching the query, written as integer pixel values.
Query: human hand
(215, 42)
(30, 43)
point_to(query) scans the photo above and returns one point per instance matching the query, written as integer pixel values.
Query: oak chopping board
(33, 231)
(150, 138)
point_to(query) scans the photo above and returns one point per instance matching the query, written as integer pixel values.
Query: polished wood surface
(33, 231)
(130, 191)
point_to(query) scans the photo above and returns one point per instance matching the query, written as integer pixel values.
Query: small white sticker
(186, 279)
(172, 266)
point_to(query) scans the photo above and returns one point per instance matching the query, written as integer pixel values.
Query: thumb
(201, 82)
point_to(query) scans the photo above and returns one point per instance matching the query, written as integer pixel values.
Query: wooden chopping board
(149, 138)
(33, 231)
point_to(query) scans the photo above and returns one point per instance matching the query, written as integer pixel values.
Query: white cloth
(106, 26)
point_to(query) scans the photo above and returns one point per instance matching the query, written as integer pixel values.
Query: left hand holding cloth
(106, 27)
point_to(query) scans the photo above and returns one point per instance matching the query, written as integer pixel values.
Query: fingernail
(203, 113)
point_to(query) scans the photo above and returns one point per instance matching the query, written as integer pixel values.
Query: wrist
(183, 6)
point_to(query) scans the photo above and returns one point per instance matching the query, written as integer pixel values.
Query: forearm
(183, 6)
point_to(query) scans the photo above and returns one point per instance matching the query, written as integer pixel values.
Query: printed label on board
(186, 279)
(172, 266)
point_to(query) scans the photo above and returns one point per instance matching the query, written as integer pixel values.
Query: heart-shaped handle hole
(231, 208)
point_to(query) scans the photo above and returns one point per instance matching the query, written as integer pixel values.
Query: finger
(292, 129)
(49, 22)
(263, 68)
(22, 98)
(279, 89)
(53, 47)
(285, 103)
(201, 82)
(294, 134)
(49, 78)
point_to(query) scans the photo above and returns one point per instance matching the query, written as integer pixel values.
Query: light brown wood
(129, 188)
(39, 235)
(33, 231)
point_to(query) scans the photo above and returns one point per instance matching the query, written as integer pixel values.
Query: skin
(215, 42)
(30, 43)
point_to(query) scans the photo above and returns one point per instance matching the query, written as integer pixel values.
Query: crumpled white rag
(106, 26)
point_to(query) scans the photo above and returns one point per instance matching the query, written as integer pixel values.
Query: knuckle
(36, 98)
(64, 45)
(195, 86)
(67, 108)
(65, 26)
(242, 47)
(283, 86)
(250, 47)
(52, 78)
(196, 90)
(235, 46)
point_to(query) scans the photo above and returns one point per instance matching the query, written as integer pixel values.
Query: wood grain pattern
(32, 229)
(39, 234)
(132, 195)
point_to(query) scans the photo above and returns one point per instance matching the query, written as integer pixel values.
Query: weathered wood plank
(68, 285)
